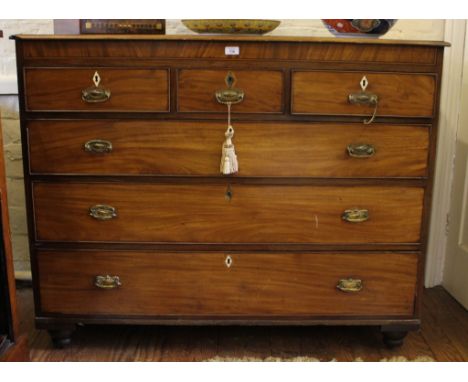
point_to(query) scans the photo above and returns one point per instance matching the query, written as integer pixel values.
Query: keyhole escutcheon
(228, 261)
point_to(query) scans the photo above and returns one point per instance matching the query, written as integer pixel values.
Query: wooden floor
(443, 336)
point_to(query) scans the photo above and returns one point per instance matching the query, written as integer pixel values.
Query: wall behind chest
(11, 133)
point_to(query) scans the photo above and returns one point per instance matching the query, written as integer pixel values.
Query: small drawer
(398, 95)
(226, 213)
(227, 284)
(194, 148)
(97, 89)
(263, 90)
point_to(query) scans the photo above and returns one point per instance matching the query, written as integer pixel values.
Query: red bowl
(359, 27)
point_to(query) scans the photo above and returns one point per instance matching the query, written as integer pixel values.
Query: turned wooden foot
(394, 338)
(61, 337)
(394, 335)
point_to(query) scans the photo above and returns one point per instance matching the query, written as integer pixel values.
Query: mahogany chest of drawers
(131, 221)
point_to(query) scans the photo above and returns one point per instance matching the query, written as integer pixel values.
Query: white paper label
(231, 50)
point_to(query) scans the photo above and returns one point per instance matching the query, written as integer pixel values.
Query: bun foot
(394, 338)
(61, 338)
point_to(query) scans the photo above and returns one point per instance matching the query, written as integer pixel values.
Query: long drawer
(194, 148)
(96, 89)
(226, 213)
(198, 284)
(399, 95)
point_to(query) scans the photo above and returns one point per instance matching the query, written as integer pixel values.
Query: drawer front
(405, 95)
(201, 284)
(263, 91)
(194, 148)
(52, 89)
(223, 213)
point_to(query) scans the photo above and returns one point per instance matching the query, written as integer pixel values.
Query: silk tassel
(229, 164)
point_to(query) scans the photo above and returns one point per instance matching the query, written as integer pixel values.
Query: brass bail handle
(98, 146)
(350, 285)
(102, 212)
(355, 215)
(364, 97)
(231, 95)
(107, 282)
(361, 150)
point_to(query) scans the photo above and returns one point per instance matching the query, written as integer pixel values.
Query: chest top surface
(103, 37)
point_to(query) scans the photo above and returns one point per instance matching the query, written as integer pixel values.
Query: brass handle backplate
(102, 212)
(360, 150)
(350, 285)
(107, 282)
(364, 97)
(98, 146)
(355, 215)
(95, 95)
(230, 95)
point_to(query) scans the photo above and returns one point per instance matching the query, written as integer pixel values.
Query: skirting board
(23, 275)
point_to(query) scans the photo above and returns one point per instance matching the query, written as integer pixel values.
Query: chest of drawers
(130, 220)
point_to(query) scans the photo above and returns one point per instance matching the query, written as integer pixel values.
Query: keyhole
(228, 261)
(364, 83)
(228, 194)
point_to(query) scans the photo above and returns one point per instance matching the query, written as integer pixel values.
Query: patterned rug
(312, 359)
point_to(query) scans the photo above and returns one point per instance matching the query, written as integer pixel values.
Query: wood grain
(152, 343)
(318, 92)
(203, 213)
(447, 330)
(453, 324)
(194, 148)
(263, 91)
(294, 183)
(265, 48)
(60, 89)
(201, 284)
(17, 352)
